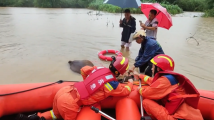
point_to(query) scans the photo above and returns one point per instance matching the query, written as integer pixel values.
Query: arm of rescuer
(86, 70)
(158, 89)
(145, 79)
(114, 88)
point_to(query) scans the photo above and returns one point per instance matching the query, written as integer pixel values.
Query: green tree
(210, 4)
(43, 3)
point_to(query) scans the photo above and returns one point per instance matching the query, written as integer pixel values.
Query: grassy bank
(46, 3)
(91, 4)
(210, 9)
(172, 6)
(206, 6)
(98, 5)
(209, 13)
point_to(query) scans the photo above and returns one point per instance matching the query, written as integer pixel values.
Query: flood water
(36, 44)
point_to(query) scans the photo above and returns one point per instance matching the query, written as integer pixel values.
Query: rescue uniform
(68, 102)
(176, 95)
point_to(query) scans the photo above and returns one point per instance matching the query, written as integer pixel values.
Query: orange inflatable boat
(21, 98)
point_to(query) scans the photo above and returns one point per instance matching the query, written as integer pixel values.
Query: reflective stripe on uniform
(140, 91)
(52, 115)
(146, 78)
(128, 88)
(109, 77)
(127, 67)
(108, 86)
(122, 61)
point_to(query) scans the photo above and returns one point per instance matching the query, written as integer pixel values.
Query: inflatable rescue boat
(22, 98)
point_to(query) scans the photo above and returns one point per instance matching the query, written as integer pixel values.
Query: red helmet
(119, 65)
(164, 62)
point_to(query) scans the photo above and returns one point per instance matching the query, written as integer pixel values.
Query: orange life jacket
(173, 100)
(94, 81)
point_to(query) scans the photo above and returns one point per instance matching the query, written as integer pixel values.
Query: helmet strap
(112, 68)
(156, 71)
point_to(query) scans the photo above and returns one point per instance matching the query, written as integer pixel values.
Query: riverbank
(173, 7)
(91, 4)
(209, 13)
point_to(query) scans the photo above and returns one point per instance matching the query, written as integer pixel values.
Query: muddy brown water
(36, 44)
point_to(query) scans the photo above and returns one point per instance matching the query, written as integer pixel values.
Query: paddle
(141, 99)
(141, 104)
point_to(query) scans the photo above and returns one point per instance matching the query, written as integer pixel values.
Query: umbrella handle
(158, 13)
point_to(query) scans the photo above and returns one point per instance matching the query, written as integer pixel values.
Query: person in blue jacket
(149, 49)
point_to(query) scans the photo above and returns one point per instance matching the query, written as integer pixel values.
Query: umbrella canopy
(164, 18)
(124, 3)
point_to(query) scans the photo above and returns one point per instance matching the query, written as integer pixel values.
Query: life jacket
(173, 100)
(94, 81)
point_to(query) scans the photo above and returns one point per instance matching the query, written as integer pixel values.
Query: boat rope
(58, 82)
(207, 97)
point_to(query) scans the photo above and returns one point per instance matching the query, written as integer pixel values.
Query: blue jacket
(149, 49)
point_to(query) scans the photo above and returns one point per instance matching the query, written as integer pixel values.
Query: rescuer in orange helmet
(98, 85)
(177, 95)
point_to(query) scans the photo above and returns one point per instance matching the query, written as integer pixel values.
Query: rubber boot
(30, 117)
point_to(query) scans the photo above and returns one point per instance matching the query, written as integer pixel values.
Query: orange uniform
(86, 70)
(67, 101)
(159, 89)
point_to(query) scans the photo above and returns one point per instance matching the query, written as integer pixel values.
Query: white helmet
(138, 34)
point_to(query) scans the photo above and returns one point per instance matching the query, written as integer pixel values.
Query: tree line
(173, 6)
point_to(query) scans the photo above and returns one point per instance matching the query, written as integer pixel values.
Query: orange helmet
(164, 62)
(119, 65)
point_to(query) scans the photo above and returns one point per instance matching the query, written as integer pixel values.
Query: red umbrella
(164, 18)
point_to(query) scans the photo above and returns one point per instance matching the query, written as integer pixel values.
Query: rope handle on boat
(207, 97)
(58, 82)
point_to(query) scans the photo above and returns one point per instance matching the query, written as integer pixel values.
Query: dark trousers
(147, 68)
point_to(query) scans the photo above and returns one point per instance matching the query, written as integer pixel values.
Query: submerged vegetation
(209, 13)
(173, 6)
